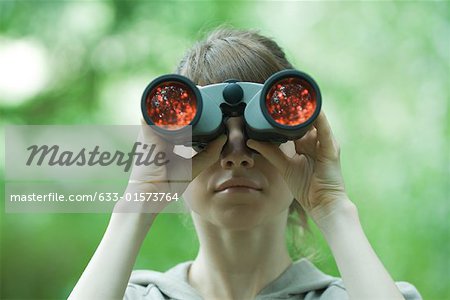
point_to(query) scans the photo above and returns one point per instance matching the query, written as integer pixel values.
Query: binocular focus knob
(232, 93)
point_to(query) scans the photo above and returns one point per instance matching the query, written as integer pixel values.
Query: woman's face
(263, 193)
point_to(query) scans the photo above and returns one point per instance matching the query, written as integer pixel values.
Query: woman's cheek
(195, 195)
(278, 190)
(281, 194)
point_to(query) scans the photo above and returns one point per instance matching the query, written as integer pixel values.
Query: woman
(241, 231)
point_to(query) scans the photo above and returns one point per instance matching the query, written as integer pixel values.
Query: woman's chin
(239, 216)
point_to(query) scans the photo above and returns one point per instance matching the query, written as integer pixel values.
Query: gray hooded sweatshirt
(302, 280)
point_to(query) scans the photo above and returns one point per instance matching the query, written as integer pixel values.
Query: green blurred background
(383, 68)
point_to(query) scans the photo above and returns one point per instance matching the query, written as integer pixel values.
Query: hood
(299, 278)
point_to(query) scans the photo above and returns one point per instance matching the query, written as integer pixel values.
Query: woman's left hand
(313, 173)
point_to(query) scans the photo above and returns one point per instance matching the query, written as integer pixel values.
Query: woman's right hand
(171, 177)
(109, 270)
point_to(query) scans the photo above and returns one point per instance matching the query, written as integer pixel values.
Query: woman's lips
(238, 184)
(238, 189)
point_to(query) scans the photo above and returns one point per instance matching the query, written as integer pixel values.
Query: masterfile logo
(82, 168)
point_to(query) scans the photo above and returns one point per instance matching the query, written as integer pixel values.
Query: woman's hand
(313, 173)
(314, 176)
(171, 177)
(109, 270)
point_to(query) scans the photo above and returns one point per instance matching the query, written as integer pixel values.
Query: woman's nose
(235, 152)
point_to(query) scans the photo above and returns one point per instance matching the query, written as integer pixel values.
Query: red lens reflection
(171, 105)
(291, 101)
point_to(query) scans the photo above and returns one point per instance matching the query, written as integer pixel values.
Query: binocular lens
(171, 105)
(291, 101)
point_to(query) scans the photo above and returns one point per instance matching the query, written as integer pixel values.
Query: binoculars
(281, 109)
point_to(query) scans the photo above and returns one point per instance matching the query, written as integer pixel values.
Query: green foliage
(383, 69)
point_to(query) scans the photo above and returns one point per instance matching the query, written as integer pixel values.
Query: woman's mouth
(238, 189)
(239, 185)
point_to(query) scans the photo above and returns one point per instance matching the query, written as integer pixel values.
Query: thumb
(208, 156)
(271, 152)
(149, 136)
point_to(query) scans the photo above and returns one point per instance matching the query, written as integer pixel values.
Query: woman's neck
(238, 264)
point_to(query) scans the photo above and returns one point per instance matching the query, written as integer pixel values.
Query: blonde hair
(245, 55)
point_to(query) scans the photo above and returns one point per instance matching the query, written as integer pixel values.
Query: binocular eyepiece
(281, 109)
